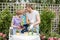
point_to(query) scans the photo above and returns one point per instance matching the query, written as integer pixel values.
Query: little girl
(19, 22)
(16, 21)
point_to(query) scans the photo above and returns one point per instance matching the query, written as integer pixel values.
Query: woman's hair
(29, 6)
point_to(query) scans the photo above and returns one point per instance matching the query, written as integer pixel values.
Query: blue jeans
(26, 28)
(14, 31)
(36, 28)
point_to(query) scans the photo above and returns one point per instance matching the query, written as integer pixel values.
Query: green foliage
(45, 26)
(1, 38)
(5, 21)
(54, 34)
(57, 1)
(17, 31)
(59, 24)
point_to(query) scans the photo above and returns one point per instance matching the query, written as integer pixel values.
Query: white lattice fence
(56, 8)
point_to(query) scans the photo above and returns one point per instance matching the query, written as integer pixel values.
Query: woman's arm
(27, 20)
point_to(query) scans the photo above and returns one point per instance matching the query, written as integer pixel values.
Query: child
(25, 25)
(19, 22)
(16, 21)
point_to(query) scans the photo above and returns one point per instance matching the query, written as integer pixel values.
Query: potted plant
(30, 32)
(17, 32)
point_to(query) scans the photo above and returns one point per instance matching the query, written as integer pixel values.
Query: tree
(57, 1)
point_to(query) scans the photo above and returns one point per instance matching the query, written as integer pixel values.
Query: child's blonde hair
(19, 12)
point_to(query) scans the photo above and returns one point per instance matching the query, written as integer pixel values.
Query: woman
(33, 18)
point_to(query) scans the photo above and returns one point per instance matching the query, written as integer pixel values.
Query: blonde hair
(18, 12)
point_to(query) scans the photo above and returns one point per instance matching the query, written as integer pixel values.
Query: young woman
(33, 18)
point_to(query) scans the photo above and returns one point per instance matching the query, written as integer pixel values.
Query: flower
(58, 38)
(1, 34)
(4, 35)
(43, 37)
(50, 38)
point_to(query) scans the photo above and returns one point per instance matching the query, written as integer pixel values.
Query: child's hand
(18, 28)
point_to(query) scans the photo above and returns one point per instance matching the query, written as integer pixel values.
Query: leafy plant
(17, 31)
(5, 21)
(59, 24)
(46, 17)
(1, 38)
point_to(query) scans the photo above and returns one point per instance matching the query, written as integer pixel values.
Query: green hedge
(5, 21)
(59, 24)
(46, 16)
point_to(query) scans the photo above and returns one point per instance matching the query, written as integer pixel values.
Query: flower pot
(34, 33)
(30, 33)
(18, 34)
(26, 33)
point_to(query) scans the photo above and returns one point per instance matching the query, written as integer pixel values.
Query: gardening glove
(31, 26)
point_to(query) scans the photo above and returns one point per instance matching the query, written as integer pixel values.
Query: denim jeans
(35, 28)
(26, 28)
(14, 31)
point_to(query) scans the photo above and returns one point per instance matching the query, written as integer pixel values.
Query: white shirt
(32, 16)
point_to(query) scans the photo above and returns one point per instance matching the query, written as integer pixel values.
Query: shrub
(59, 24)
(5, 21)
(45, 26)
